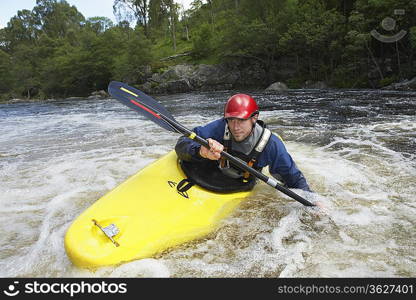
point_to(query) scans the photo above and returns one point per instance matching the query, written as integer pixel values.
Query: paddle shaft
(239, 163)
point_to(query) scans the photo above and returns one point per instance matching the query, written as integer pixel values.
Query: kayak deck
(146, 215)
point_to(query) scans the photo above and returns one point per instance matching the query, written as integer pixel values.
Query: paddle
(148, 107)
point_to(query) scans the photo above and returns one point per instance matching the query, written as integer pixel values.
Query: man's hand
(214, 152)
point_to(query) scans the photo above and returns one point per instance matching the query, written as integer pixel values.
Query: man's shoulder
(219, 123)
(276, 139)
(214, 129)
(275, 145)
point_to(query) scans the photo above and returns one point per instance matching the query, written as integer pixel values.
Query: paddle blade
(142, 103)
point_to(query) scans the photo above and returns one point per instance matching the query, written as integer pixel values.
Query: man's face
(241, 128)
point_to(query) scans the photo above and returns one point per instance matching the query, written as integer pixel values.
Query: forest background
(53, 51)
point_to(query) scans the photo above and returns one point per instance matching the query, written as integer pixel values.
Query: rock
(74, 98)
(143, 73)
(17, 100)
(183, 70)
(277, 86)
(309, 84)
(185, 77)
(251, 75)
(406, 85)
(213, 77)
(173, 86)
(173, 73)
(285, 67)
(98, 95)
(163, 77)
(146, 87)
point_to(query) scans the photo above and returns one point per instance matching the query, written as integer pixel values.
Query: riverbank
(238, 74)
(95, 95)
(235, 75)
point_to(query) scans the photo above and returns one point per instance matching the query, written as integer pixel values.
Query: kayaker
(243, 135)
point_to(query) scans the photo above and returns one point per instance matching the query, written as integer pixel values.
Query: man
(244, 136)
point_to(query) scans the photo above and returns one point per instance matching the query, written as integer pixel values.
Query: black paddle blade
(142, 103)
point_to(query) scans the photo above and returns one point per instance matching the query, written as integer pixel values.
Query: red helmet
(240, 106)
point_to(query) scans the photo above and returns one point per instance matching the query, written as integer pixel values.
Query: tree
(99, 24)
(382, 53)
(56, 19)
(20, 29)
(173, 19)
(53, 51)
(311, 33)
(129, 9)
(158, 14)
(202, 41)
(135, 52)
(6, 79)
(25, 70)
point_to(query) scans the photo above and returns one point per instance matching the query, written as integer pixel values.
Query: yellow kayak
(146, 215)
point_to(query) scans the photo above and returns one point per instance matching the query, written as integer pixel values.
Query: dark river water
(355, 147)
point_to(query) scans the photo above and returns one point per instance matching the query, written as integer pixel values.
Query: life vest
(208, 173)
(251, 158)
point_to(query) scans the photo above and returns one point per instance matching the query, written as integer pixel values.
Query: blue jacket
(274, 155)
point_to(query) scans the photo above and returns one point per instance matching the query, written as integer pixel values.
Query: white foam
(142, 268)
(53, 166)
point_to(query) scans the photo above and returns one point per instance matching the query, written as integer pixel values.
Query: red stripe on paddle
(146, 109)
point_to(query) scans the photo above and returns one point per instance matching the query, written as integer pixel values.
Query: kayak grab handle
(109, 231)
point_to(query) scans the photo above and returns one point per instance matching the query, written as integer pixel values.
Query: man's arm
(189, 150)
(282, 166)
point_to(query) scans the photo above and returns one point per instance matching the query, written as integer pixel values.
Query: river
(355, 147)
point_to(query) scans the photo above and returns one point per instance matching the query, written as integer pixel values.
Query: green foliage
(53, 51)
(136, 52)
(412, 37)
(202, 41)
(5, 76)
(388, 80)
